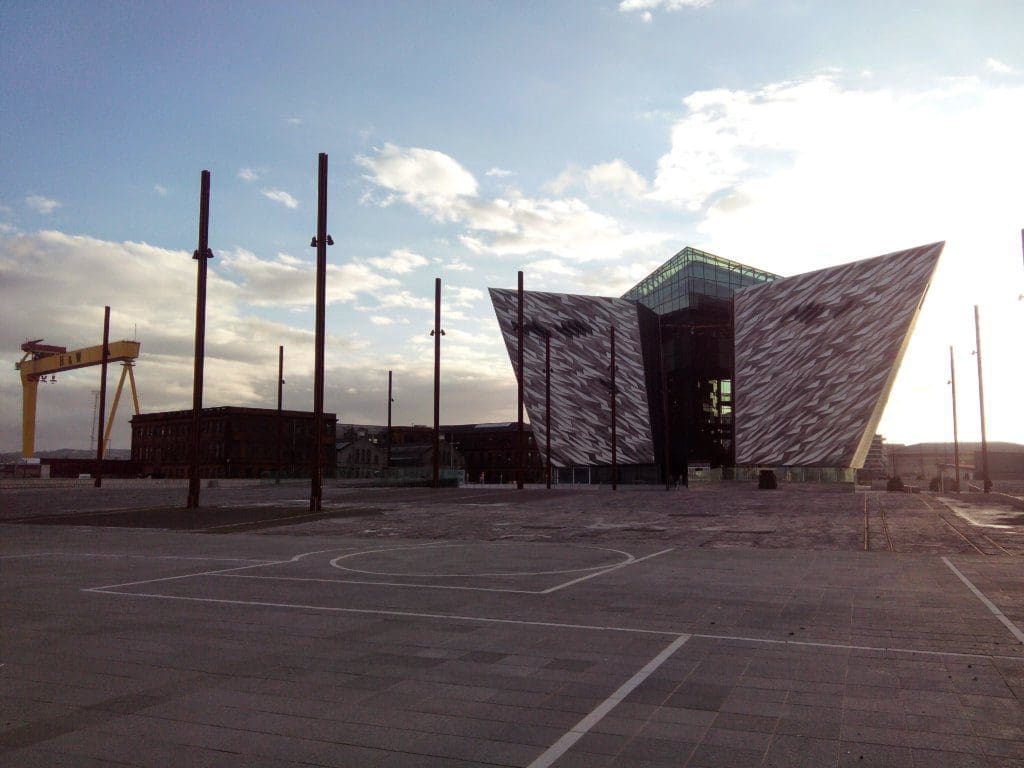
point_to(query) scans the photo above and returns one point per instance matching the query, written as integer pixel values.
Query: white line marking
(380, 612)
(629, 559)
(381, 583)
(260, 522)
(561, 625)
(602, 573)
(578, 731)
(1014, 629)
(143, 556)
(847, 647)
(261, 564)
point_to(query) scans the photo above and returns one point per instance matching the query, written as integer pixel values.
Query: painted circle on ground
(474, 559)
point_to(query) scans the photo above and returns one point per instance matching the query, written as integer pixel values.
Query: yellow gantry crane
(42, 360)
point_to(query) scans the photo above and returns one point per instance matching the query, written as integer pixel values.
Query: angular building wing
(580, 382)
(816, 356)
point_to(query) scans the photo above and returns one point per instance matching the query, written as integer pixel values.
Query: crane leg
(113, 408)
(29, 390)
(131, 379)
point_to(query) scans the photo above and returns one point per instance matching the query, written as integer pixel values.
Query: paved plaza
(718, 626)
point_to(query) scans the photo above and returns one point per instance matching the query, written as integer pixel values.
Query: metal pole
(201, 255)
(387, 462)
(520, 449)
(666, 436)
(547, 407)
(280, 413)
(436, 333)
(986, 482)
(956, 436)
(103, 398)
(732, 382)
(321, 242)
(615, 464)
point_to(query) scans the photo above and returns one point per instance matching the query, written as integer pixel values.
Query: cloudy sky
(584, 142)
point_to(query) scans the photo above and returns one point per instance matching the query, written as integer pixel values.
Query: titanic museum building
(717, 364)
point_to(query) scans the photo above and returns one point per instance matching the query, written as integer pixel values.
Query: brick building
(234, 442)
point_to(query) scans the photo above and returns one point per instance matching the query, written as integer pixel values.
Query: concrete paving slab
(792, 643)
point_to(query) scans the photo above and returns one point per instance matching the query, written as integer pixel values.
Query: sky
(583, 142)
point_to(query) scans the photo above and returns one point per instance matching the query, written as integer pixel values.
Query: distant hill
(68, 453)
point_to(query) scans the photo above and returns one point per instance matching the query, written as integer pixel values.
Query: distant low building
(234, 442)
(487, 452)
(363, 457)
(926, 461)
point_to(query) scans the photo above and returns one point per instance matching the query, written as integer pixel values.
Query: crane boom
(120, 351)
(47, 359)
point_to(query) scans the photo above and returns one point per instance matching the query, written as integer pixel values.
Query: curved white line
(629, 559)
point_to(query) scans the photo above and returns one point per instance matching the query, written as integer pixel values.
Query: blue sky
(584, 142)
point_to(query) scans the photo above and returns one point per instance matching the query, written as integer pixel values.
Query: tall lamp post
(521, 432)
(956, 436)
(986, 482)
(320, 242)
(437, 333)
(98, 482)
(387, 460)
(611, 371)
(547, 408)
(666, 432)
(280, 412)
(201, 255)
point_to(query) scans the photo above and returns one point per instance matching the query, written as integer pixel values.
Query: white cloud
(287, 281)
(998, 67)
(280, 196)
(43, 205)
(615, 177)
(566, 228)
(400, 261)
(294, 121)
(571, 177)
(729, 136)
(150, 291)
(160, 189)
(498, 172)
(248, 174)
(646, 6)
(404, 299)
(438, 186)
(462, 296)
(382, 320)
(800, 175)
(458, 266)
(430, 181)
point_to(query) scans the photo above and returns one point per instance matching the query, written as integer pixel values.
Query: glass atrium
(691, 277)
(692, 295)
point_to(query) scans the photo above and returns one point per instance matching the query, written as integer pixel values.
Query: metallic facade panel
(580, 384)
(817, 354)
